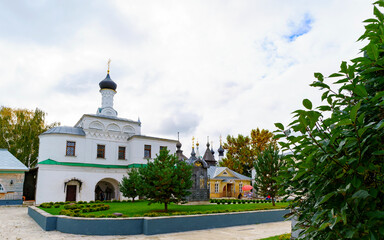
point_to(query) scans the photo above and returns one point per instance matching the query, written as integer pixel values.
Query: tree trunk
(166, 207)
(273, 201)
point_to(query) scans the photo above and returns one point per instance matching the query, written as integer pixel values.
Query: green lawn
(279, 237)
(141, 208)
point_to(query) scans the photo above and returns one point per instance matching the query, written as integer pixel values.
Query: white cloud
(224, 66)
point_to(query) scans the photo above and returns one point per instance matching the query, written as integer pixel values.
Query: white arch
(106, 182)
(129, 130)
(96, 125)
(113, 127)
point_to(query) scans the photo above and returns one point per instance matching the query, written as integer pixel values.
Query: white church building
(86, 162)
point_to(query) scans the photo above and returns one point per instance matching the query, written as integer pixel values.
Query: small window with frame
(71, 148)
(121, 153)
(147, 151)
(163, 148)
(2, 190)
(100, 151)
(216, 187)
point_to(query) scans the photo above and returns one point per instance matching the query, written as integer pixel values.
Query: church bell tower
(108, 91)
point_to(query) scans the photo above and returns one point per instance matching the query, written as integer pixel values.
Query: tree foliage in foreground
(268, 167)
(335, 168)
(242, 151)
(131, 186)
(166, 179)
(19, 133)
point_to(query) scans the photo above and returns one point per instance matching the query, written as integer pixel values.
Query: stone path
(15, 224)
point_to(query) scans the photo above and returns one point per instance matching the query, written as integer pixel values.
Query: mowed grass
(279, 237)
(139, 208)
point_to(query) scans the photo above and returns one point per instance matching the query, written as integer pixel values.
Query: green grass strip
(141, 208)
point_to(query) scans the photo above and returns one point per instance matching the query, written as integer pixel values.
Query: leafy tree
(131, 186)
(166, 179)
(268, 166)
(19, 132)
(243, 151)
(335, 168)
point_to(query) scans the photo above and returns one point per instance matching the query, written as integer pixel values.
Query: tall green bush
(336, 151)
(166, 179)
(131, 186)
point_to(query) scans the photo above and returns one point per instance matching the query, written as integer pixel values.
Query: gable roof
(208, 157)
(65, 130)
(10, 162)
(108, 117)
(213, 173)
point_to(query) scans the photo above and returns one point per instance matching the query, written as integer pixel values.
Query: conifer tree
(166, 179)
(132, 185)
(268, 166)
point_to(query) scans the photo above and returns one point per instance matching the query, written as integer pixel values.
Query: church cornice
(105, 135)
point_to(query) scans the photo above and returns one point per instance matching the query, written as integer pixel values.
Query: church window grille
(147, 151)
(71, 146)
(216, 187)
(121, 153)
(241, 187)
(1, 188)
(100, 151)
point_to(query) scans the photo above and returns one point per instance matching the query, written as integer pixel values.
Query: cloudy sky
(201, 68)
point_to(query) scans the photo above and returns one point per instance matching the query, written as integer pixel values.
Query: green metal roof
(75, 164)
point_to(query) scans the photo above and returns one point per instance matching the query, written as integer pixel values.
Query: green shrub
(64, 212)
(70, 206)
(56, 206)
(46, 205)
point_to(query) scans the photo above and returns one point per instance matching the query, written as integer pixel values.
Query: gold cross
(109, 63)
(193, 142)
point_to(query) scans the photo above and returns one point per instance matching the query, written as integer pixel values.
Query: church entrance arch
(107, 189)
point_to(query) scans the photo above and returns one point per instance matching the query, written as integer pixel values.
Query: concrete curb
(151, 225)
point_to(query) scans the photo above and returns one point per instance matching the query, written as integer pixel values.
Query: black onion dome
(220, 150)
(178, 145)
(107, 83)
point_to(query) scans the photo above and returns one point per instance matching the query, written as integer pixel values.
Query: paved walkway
(15, 224)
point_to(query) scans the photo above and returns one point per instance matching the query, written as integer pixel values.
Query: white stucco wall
(136, 148)
(113, 133)
(53, 146)
(51, 179)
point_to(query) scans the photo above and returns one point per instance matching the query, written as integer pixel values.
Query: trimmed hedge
(241, 201)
